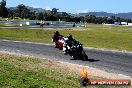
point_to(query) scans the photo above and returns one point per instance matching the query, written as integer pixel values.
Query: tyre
(75, 57)
(84, 56)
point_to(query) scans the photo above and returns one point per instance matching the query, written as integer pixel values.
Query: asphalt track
(115, 62)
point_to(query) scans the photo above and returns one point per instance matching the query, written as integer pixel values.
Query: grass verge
(25, 72)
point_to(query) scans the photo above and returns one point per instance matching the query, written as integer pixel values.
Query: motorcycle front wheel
(84, 56)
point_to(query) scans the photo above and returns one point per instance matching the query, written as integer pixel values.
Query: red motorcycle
(58, 40)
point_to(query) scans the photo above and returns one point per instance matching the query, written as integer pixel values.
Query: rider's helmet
(70, 37)
(57, 32)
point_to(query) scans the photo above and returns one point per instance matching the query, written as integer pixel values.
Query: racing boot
(65, 50)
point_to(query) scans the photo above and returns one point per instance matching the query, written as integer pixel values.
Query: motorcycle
(76, 51)
(58, 43)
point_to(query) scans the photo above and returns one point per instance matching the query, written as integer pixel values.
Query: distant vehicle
(74, 25)
(44, 23)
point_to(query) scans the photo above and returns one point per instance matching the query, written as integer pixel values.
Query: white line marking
(125, 76)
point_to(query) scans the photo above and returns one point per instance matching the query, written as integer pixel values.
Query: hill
(122, 15)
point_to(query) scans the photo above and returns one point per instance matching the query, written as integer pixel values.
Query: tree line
(24, 13)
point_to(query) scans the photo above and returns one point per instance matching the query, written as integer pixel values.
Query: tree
(3, 3)
(99, 20)
(90, 18)
(113, 18)
(110, 21)
(22, 11)
(40, 16)
(32, 15)
(104, 19)
(3, 9)
(82, 19)
(11, 13)
(54, 10)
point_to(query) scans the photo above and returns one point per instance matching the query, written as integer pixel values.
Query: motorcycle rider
(68, 43)
(56, 37)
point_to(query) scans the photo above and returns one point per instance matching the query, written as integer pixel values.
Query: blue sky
(76, 6)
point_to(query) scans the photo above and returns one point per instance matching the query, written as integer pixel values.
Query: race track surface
(120, 63)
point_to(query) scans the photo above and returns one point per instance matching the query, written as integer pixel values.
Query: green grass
(24, 72)
(110, 39)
